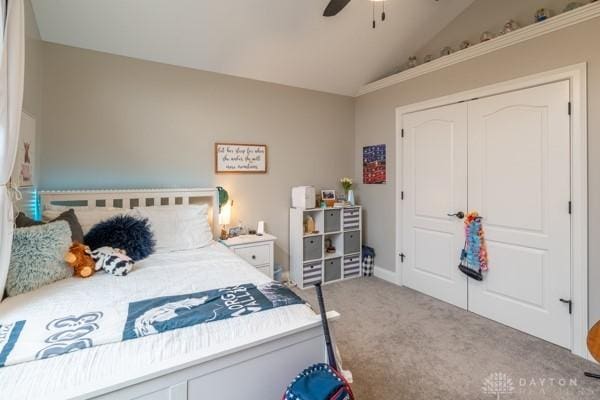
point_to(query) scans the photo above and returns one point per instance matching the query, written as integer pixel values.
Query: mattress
(164, 274)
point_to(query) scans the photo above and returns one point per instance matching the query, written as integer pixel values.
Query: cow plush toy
(112, 261)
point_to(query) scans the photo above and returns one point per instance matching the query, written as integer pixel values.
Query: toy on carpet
(112, 261)
(80, 259)
(474, 258)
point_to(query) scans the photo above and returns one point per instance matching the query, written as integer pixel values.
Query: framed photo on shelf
(328, 194)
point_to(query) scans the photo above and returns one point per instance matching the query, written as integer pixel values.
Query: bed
(252, 357)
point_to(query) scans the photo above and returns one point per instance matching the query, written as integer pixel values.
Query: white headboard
(130, 198)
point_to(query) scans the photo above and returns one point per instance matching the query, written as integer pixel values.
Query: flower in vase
(346, 183)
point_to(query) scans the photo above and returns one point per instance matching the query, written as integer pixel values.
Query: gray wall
(116, 122)
(32, 96)
(375, 123)
(32, 91)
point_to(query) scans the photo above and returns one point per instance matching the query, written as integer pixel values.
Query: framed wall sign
(240, 158)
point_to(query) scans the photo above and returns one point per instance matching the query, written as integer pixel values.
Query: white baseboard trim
(385, 274)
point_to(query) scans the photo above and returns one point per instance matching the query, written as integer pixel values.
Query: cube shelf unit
(309, 261)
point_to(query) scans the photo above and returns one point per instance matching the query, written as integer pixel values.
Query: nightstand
(257, 250)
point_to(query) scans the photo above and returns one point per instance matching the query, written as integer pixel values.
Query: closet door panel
(435, 185)
(519, 181)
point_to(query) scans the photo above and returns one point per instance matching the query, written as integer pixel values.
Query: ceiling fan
(334, 7)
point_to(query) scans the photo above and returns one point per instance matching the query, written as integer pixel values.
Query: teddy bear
(112, 261)
(79, 257)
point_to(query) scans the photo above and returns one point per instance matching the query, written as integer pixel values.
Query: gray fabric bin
(333, 221)
(313, 247)
(351, 242)
(333, 270)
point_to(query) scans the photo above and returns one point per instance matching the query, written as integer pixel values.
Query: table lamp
(225, 218)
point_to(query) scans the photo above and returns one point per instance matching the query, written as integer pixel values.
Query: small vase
(485, 36)
(412, 62)
(350, 197)
(446, 51)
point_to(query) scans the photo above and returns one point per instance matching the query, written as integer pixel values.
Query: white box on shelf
(303, 197)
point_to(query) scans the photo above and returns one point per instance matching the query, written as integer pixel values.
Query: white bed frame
(258, 370)
(131, 198)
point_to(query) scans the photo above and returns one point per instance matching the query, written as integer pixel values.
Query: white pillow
(87, 217)
(180, 227)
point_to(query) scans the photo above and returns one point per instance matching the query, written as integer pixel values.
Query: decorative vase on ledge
(350, 197)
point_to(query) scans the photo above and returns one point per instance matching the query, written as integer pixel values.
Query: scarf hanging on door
(474, 257)
(476, 248)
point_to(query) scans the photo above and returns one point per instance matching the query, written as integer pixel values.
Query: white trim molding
(385, 274)
(558, 22)
(577, 76)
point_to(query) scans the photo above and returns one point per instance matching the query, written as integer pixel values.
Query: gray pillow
(23, 221)
(37, 257)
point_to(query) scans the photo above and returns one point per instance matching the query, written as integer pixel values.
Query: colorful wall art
(374, 164)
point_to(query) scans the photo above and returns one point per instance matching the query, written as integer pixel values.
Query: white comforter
(160, 275)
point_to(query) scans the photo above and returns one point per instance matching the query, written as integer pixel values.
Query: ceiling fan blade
(334, 7)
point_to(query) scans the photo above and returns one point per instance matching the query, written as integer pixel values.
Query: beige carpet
(400, 344)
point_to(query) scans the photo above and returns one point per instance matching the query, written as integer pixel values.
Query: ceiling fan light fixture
(374, 23)
(335, 6)
(382, 11)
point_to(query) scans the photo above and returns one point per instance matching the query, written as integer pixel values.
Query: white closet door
(435, 185)
(519, 181)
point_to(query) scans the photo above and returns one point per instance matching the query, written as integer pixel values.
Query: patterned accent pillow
(37, 257)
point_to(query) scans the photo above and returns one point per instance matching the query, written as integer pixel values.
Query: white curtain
(12, 64)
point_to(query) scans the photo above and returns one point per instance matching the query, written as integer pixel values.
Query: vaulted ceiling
(282, 41)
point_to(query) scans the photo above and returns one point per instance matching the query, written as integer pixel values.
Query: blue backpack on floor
(320, 381)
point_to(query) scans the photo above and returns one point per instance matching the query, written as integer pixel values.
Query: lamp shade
(225, 214)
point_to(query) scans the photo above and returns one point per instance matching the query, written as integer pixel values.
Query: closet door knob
(459, 215)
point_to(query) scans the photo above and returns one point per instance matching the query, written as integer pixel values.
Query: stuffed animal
(112, 261)
(80, 259)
